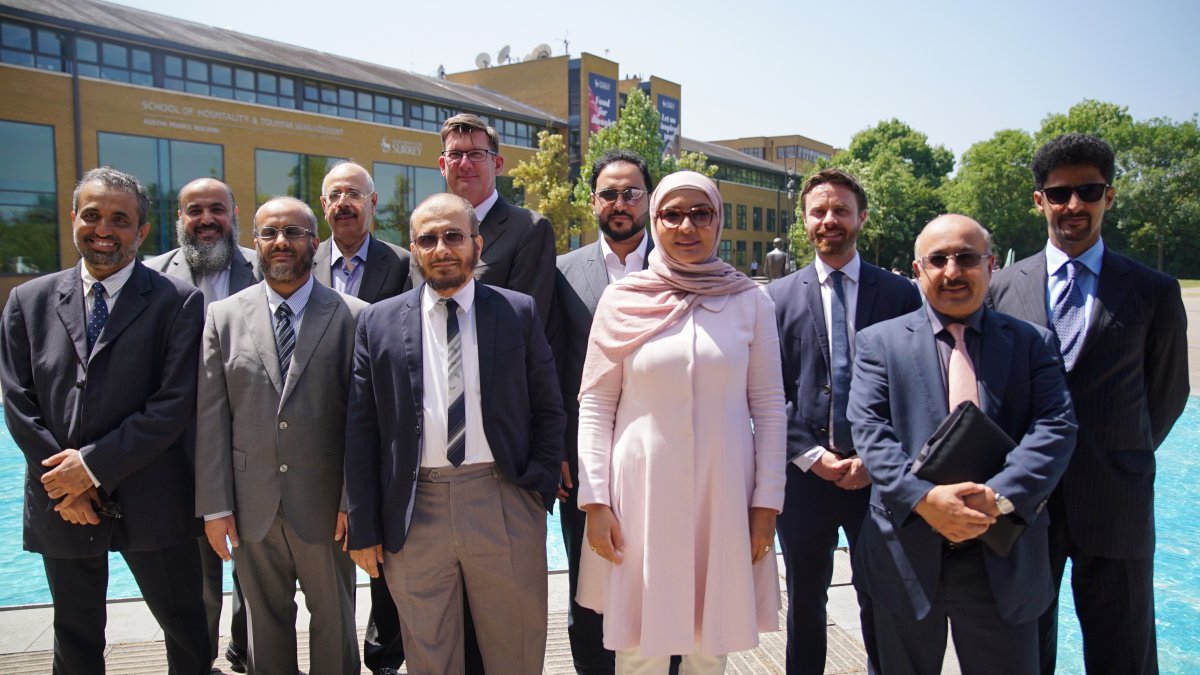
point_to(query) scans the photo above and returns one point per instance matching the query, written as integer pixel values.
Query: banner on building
(668, 125)
(602, 102)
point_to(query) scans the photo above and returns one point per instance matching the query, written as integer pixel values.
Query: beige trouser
(631, 662)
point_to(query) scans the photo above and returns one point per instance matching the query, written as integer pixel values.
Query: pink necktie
(963, 385)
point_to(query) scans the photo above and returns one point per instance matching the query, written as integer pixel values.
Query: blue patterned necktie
(98, 317)
(840, 352)
(456, 414)
(285, 339)
(1069, 320)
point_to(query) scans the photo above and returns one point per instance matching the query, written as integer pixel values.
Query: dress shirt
(437, 389)
(344, 282)
(219, 282)
(1056, 278)
(486, 205)
(635, 261)
(851, 271)
(945, 340)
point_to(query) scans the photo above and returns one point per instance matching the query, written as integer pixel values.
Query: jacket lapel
(317, 314)
(241, 272)
(597, 275)
(410, 338)
(485, 337)
(1030, 287)
(493, 227)
(375, 270)
(996, 357)
(867, 281)
(321, 262)
(71, 310)
(180, 270)
(816, 311)
(261, 328)
(927, 361)
(1111, 291)
(127, 308)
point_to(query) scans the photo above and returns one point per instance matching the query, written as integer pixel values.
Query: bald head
(952, 221)
(953, 264)
(349, 170)
(446, 207)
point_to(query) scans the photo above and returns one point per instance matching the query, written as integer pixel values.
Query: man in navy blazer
(98, 367)
(827, 487)
(917, 554)
(1128, 377)
(454, 443)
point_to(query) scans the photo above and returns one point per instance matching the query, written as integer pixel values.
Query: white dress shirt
(486, 205)
(635, 261)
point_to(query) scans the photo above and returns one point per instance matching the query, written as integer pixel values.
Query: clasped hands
(960, 511)
(848, 473)
(69, 482)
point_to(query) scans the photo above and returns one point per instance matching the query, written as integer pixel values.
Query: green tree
(994, 186)
(929, 163)
(546, 178)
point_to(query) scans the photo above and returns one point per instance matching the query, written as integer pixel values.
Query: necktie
(962, 383)
(1069, 320)
(456, 414)
(99, 315)
(285, 339)
(207, 289)
(840, 352)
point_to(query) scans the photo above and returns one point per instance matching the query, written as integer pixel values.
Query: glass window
(28, 199)
(14, 36)
(758, 216)
(770, 220)
(222, 75)
(726, 251)
(286, 173)
(741, 253)
(741, 216)
(197, 70)
(287, 87)
(400, 189)
(85, 50)
(49, 43)
(728, 215)
(346, 98)
(245, 79)
(268, 84)
(140, 60)
(115, 55)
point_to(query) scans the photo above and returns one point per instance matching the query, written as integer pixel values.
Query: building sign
(602, 97)
(210, 120)
(395, 146)
(668, 124)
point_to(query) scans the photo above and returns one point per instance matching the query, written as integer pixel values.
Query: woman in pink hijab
(681, 448)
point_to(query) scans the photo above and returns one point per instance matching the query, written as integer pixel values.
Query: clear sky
(957, 70)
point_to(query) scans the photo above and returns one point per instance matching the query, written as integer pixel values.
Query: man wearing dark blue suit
(819, 309)
(1126, 360)
(98, 367)
(454, 444)
(917, 554)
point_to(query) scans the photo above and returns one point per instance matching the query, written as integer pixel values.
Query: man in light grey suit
(271, 401)
(352, 261)
(210, 259)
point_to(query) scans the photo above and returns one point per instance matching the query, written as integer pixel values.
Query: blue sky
(955, 70)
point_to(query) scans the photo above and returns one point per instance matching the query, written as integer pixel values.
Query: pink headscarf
(641, 305)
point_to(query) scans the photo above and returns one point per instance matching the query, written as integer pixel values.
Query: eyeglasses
(966, 260)
(477, 155)
(353, 195)
(291, 232)
(1089, 193)
(429, 240)
(700, 217)
(630, 195)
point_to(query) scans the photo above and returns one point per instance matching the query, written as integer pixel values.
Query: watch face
(1004, 505)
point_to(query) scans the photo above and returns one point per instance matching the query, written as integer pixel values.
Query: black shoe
(236, 658)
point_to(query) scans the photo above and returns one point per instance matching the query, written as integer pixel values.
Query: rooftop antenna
(567, 44)
(541, 51)
(502, 57)
(483, 60)
(441, 71)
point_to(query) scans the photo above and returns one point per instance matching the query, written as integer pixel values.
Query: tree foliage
(993, 185)
(547, 177)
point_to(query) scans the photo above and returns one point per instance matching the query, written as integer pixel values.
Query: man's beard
(639, 224)
(447, 283)
(283, 272)
(206, 259)
(118, 258)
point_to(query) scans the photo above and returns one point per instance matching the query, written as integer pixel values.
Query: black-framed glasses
(291, 232)
(630, 195)
(700, 217)
(353, 195)
(477, 155)
(966, 260)
(429, 240)
(1090, 192)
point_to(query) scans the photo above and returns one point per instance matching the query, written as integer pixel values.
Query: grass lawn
(1189, 283)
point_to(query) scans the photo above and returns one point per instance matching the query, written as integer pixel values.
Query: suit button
(823, 431)
(283, 426)
(283, 468)
(418, 431)
(79, 384)
(826, 389)
(414, 474)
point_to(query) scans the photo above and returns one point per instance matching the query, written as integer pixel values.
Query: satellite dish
(502, 57)
(541, 51)
(483, 60)
(441, 72)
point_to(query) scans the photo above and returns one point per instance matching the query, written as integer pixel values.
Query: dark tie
(99, 315)
(456, 414)
(1069, 320)
(840, 351)
(285, 339)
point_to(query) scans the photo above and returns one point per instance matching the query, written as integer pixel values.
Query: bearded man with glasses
(1122, 331)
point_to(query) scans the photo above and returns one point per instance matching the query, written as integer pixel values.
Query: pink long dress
(666, 440)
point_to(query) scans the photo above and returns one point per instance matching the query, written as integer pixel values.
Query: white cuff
(806, 459)
(95, 483)
(217, 516)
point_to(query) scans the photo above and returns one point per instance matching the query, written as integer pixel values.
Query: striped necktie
(285, 339)
(1069, 321)
(456, 414)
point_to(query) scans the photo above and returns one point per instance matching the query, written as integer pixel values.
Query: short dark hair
(466, 123)
(117, 180)
(1073, 150)
(619, 155)
(836, 177)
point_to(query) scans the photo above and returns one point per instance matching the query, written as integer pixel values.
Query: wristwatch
(1004, 505)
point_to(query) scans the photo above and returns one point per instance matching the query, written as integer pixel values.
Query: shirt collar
(939, 321)
(1091, 258)
(465, 296)
(486, 205)
(361, 253)
(850, 269)
(296, 302)
(608, 254)
(112, 284)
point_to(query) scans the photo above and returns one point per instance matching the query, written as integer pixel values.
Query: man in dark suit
(819, 309)
(518, 244)
(917, 553)
(1123, 334)
(621, 187)
(98, 369)
(210, 259)
(453, 452)
(352, 261)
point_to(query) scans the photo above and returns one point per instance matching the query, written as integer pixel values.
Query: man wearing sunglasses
(1122, 331)
(454, 441)
(274, 382)
(819, 309)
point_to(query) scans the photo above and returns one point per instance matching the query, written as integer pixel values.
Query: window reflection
(400, 189)
(28, 202)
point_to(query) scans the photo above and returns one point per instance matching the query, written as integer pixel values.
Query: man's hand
(565, 484)
(762, 532)
(68, 478)
(78, 510)
(368, 559)
(217, 530)
(945, 509)
(339, 530)
(830, 467)
(856, 477)
(984, 502)
(604, 533)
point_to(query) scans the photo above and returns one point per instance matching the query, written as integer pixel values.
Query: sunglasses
(630, 195)
(700, 216)
(291, 232)
(1089, 193)
(429, 241)
(967, 260)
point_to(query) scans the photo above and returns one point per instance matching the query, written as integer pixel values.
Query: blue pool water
(1176, 580)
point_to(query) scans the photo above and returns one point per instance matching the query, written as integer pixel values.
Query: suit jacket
(578, 284)
(522, 409)
(897, 400)
(1129, 385)
(807, 377)
(387, 272)
(518, 253)
(243, 269)
(263, 442)
(124, 406)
